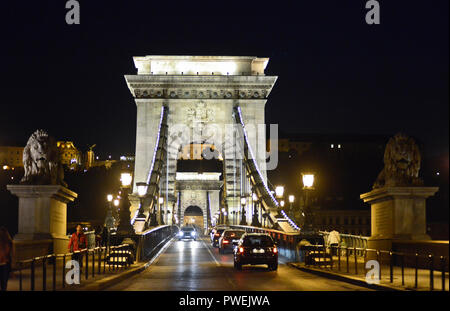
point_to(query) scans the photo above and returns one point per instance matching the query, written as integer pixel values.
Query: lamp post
(243, 221)
(109, 221)
(291, 200)
(161, 216)
(279, 191)
(142, 191)
(308, 185)
(222, 214)
(125, 228)
(255, 218)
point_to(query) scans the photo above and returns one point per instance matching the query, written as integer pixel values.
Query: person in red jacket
(78, 242)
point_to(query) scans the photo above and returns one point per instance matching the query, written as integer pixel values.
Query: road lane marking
(209, 251)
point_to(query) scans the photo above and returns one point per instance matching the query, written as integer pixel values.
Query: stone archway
(193, 215)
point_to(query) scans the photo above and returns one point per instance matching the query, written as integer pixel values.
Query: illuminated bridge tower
(199, 93)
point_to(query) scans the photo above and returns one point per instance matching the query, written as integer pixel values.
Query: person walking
(5, 257)
(78, 242)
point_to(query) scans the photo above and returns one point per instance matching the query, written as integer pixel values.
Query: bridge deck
(196, 266)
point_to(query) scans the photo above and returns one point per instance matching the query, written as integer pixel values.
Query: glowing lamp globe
(126, 178)
(308, 180)
(141, 188)
(279, 191)
(243, 201)
(291, 199)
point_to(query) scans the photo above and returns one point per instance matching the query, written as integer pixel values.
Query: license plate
(235, 241)
(258, 251)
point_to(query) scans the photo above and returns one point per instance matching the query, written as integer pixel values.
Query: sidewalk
(423, 275)
(109, 275)
(105, 272)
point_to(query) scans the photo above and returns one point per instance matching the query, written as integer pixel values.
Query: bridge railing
(287, 242)
(350, 241)
(392, 265)
(51, 272)
(152, 240)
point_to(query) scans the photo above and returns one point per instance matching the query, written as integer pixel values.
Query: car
(187, 233)
(256, 249)
(215, 238)
(229, 239)
(214, 230)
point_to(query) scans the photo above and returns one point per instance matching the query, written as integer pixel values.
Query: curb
(345, 278)
(114, 279)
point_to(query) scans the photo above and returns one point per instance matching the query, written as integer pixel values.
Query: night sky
(336, 73)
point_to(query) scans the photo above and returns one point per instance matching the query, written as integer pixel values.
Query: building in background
(355, 222)
(11, 157)
(70, 155)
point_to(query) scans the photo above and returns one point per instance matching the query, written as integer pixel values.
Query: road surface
(196, 266)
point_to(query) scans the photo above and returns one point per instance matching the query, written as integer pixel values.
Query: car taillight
(225, 241)
(275, 250)
(241, 250)
(216, 234)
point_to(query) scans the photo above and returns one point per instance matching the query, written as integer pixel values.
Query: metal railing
(152, 240)
(350, 241)
(98, 260)
(345, 259)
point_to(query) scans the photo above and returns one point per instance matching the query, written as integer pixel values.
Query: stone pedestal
(42, 220)
(397, 213)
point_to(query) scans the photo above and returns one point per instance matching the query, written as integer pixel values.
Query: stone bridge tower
(200, 93)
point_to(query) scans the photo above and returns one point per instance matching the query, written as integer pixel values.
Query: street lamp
(255, 220)
(125, 228)
(243, 202)
(308, 181)
(308, 185)
(222, 216)
(142, 191)
(291, 200)
(279, 191)
(161, 217)
(109, 221)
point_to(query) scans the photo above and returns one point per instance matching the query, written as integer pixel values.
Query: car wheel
(273, 266)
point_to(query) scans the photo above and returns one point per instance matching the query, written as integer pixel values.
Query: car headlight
(180, 233)
(193, 233)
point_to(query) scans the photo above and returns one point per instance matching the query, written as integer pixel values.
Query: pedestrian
(5, 257)
(77, 243)
(334, 239)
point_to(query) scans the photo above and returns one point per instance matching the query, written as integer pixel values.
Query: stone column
(42, 220)
(398, 213)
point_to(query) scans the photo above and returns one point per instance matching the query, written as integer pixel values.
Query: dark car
(216, 236)
(256, 249)
(214, 231)
(229, 239)
(187, 233)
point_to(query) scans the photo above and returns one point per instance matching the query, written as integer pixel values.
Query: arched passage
(193, 215)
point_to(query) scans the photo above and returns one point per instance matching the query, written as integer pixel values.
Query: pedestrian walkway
(53, 277)
(401, 280)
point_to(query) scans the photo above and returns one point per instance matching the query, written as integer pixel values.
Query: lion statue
(41, 161)
(401, 163)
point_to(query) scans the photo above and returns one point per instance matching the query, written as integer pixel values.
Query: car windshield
(188, 229)
(219, 231)
(258, 241)
(233, 234)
